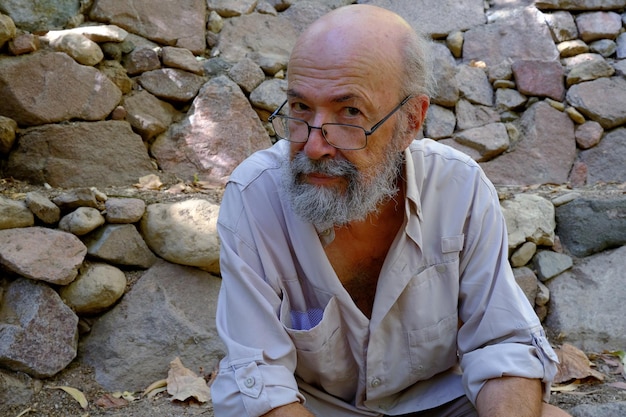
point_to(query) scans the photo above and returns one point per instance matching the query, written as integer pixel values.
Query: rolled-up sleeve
(257, 373)
(500, 333)
(537, 361)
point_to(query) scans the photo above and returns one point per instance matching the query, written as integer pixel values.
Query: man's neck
(388, 217)
(359, 250)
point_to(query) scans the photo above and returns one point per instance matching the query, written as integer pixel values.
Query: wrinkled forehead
(358, 45)
(355, 29)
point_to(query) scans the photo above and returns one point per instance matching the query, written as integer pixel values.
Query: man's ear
(417, 113)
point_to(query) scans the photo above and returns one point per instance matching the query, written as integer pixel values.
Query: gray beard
(328, 206)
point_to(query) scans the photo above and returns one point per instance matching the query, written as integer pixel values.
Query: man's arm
(290, 410)
(510, 396)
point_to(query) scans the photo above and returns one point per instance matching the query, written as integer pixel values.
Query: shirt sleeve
(500, 333)
(257, 373)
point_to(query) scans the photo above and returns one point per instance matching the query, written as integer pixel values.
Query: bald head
(378, 40)
(359, 27)
(358, 32)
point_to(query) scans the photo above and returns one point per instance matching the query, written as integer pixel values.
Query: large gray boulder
(38, 332)
(180, 23)
(586, 303)
(169, 313)
(50, 87)
(98, 154)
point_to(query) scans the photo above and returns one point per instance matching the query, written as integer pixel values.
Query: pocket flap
(452, 243)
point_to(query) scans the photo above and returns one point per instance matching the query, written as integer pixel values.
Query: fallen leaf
(76, 394)
(110, 401)
(609, 360)
(565, 388)
(619, 354)
(204, 185)
(149, 182)
(613, 359)
(622, 361)
(23, 413)
(127, 395)
(183, 384)
(177, 188)
(161, 383)
(574, 365)
(156, 391)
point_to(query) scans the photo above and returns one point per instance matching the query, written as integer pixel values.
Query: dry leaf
(619, 384)
(177, 188)
(183, 383)
(620, 356)
(565, 388)
(571, 388)
(161, 383)
(127, 395)
(149, 182)
(574, 365)
(76, 394)
(23, 413)
(110, 401)
(204, 185)
(156, 391)
(609, 360)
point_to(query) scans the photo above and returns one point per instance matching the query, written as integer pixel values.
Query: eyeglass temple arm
(395, 109)
(273, 115)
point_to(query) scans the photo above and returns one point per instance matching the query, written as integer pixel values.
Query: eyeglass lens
(337, 135)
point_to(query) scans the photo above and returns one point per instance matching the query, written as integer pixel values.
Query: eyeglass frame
(367, 133)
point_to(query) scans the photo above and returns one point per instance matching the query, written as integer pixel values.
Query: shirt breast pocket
(430, 302)
(324, 358)
(433, 349)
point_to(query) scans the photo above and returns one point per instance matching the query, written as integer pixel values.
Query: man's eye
(352, 111)
(299, 107)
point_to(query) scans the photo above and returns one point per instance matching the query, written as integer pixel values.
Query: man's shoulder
(429, 149)
(259, 163)
(437, 163)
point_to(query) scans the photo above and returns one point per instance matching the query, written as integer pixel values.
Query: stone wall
(119, 127)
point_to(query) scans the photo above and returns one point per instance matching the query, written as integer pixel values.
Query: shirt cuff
(535, 361)
(253, 390)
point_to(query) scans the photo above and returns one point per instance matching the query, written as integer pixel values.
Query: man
(365, 273)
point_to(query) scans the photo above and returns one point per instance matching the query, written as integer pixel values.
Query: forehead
(332, 68)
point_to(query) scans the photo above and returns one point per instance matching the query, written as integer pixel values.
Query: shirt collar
(412, 189)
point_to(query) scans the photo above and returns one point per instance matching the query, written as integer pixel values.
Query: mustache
(302, 165)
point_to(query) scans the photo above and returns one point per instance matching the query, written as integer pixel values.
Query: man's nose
(316, 147)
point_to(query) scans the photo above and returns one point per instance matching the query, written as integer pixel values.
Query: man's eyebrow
(339, 99)
(344, 98)
(294, 94)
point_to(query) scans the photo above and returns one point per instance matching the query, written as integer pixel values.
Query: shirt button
(375, 382)
(249, 382)
(440, 268)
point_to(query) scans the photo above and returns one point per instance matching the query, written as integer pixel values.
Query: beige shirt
(446, 299)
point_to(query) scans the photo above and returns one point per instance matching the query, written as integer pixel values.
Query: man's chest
(360, 280)
(358, 267)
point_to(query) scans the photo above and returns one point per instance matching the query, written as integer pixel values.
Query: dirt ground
(57, 403)
(54, 402)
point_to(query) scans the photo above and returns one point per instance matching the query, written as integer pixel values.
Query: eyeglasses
(340, 135)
